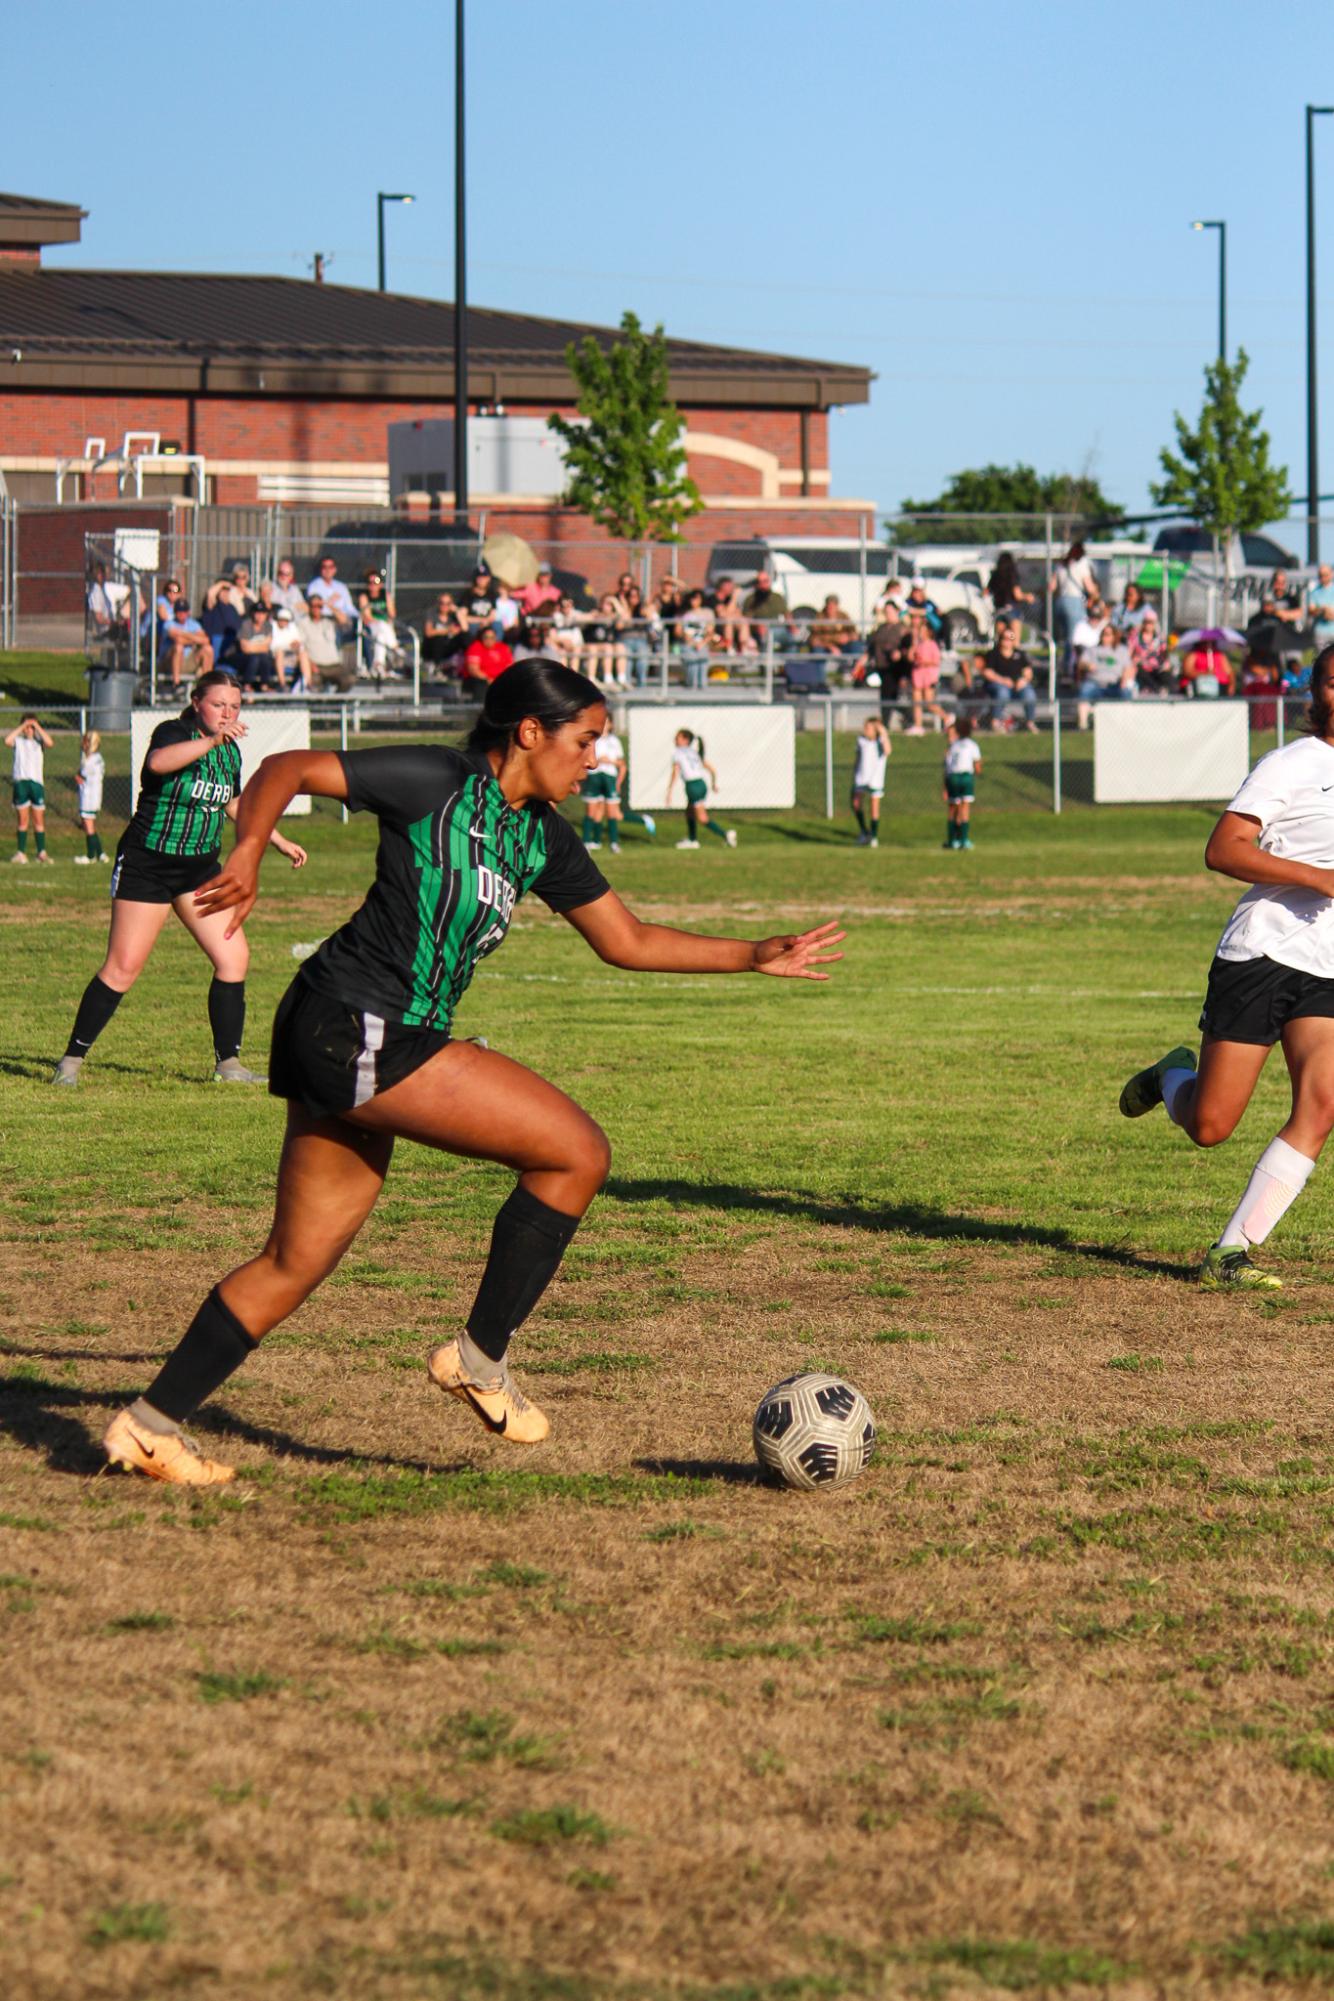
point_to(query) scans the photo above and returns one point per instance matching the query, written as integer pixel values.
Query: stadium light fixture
(1221, 227)
(380, 201)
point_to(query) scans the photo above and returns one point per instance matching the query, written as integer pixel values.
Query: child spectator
(924, 661)
(29, 743)
(696, 773)
(92, 771)
(868, 779)
(963, 760)
(566, 637)
(604, 647)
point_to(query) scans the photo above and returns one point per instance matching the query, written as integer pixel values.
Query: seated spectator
(1207, 672)
(1287, 603)
(541, 595)
(1320, 608)
(334, 595)
(762, 603)
(1266, 635)
(732, 628)
(1260, 687)
(507, 611)
(833, 631)
(488, 656)
(889, 609)
(242, 593)
(1295, 676)
(108, 605)
(1005, 591)
(319, 631)
(918, 604)
(256, 667)
(694, 637)
(444, 637)
(566, 637)
(1129, 614)
(1099, 663)
(883, 664)
(285, 589)
(924, 666)
(481, 600)
(1149, 656)
(222, 619)
(635, 628)
(291, 662)
(378, 637)
(671, 596)
(1007, 676)
(604, 647)
(187, 651)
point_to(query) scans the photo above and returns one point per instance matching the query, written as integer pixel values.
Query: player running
(868, 779)
(1272, 980)
(362, 1049)
(190, 780)
(690, 765)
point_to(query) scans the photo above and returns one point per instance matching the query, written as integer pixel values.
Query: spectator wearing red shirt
(1210, 665)
(488, 656)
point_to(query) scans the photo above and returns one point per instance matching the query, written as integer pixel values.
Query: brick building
(281, 390)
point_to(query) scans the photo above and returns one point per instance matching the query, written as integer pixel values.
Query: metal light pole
(380, 201)
(1221, 227)
(1313, 111)
(460, 282)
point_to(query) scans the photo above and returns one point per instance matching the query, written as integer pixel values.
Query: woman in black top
(189, 785)
(1005, 591)
(362, 1049)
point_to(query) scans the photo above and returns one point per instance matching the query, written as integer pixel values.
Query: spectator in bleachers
(488, 656)
(1073, 586)
(889, 608)
(334, 595)
(1149, 656)
(1006, 673)
(507, 611)
(833, 632)
(1129, 614)
(1320, 608)
(481, 600)
(924, 667)
(165, 611)
(108, 605)
(733, 631)
(1207, 672)
(639, 627)
(444, 638)
(604, 647)
(378, 636)
(566, 637)
(256, 667)
(671, 597)
(188, 651)
(1260, 685)
(1008, 597)
(285, 589)
(882, 664)
(694, 638)
(222, 619)
(242, 593)
(292, 663)
(320, 637)
(919, 605)
(541, 595)
(763, 603)
(1286, 600)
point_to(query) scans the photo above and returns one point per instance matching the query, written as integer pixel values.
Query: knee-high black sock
(212, 1348)
(527, 1244)
(226, 1016)
(96, 1008)
(692, 824)
(861, 818)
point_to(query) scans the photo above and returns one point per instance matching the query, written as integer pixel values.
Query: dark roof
(27, 219)
(289, 336)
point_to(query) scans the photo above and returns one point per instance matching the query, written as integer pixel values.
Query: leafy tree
(994, 503)
(626, 462)
(1220, 473)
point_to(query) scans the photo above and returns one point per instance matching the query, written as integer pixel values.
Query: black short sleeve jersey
(181, 812)
(454, 859)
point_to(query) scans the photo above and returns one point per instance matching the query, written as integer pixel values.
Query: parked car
(807, 569)
(1198, 577)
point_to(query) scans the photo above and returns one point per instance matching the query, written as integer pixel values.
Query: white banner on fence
(752, 747)
(1160, 751)
(267, 731)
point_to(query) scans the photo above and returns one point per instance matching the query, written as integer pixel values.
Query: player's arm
(260, 807)
(169, 757)
(13, 737)
(296, 855)
(1232, 851)
(620, 939)
(48, 741)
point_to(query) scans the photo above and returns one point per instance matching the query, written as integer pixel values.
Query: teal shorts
(599, 785)
(697, 791)
(29, 792)
(959, 785)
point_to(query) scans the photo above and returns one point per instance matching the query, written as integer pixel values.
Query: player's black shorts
(141, 876)
(1252, 1000)
(331, 1057)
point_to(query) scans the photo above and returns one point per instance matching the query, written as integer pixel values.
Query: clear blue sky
(987, 204)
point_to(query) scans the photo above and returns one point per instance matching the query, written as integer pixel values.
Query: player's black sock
(527, 1244)
(716, 827)
(226, 1016)
(861, 819)
(692, 824)
(212, 1348)
(90, 845)
(96, 1008)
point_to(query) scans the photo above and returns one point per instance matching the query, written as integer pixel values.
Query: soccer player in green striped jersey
(188, 787)
(362, 1048)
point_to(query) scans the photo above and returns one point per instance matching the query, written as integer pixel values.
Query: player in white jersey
(868, 779)
(29, 743)
(1272, 980)
(963, 760)
(690, 765)
(601, 794)
(92, 772)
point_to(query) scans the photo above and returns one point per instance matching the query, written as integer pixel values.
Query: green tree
(1220, 473)
(626, 462)
(994, 503)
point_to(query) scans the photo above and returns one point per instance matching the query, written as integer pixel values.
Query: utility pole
(460, 282)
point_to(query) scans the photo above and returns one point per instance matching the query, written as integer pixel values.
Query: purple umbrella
(1213, 635)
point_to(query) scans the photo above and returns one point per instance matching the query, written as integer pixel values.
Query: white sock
(1173, 1082)
(1280, 1175)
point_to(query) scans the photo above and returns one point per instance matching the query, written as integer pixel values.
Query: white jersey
(92, 770)
(869, 773)
(609, 754)
(1291, 793)
(688, 761)
(28, 759)
(962, 756)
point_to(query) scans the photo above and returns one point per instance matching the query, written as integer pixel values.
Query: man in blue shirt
(185, 639)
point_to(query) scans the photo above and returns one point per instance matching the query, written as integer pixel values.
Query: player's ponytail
(215, 678)
(1320, 715)
(551, 694)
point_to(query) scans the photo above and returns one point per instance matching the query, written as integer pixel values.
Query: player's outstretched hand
(236, 889)
(798, 956)
(295, 854)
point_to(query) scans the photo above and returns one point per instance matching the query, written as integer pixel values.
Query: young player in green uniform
(190, 781)
(363, 1054)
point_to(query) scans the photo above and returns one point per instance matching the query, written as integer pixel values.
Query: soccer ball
(814, 1431)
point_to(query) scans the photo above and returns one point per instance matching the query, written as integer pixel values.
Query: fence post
(342, 744)
(829, 757)
(666, 651)
(1056, 755)
(1281, 708)
(768, 663)
(152, 644)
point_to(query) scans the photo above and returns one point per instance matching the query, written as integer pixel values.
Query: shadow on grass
(21, 1063)
(909, 1218)
(727, 1472)
(38, 1415)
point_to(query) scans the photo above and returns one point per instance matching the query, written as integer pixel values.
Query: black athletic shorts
(331, 1058)
(141, 876)
(1252, 1000)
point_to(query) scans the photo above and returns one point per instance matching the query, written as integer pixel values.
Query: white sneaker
(83, 861)
(106, 859)
(680, 844)
(231, 1070)
(44, 856)
(729, 835)
(874, 842)
(916, 730)
(19, 859)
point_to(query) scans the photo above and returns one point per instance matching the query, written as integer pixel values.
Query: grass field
(1041, 1704)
